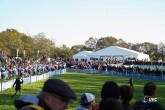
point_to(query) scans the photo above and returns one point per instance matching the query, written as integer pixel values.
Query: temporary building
(115, 52)
(82, 55)
(112, 52)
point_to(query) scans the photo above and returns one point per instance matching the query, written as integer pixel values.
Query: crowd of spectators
(57, 95)
(113, 97)
(121, 66)
(9, 67)
(17, 66)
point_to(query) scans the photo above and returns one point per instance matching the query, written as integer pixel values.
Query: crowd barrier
(30, 79)
(113, 73)
(160, 67)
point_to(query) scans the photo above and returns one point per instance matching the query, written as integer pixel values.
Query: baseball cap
(59, 87)
(86, 98)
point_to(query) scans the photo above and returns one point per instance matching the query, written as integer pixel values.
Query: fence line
(114, 73)
(30, 79)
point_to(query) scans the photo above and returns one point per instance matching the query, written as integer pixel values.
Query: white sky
(72, 22)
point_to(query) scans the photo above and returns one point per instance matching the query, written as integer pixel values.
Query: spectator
(126, 94)
(148, 99)
(3, 77)
(17, 85)
(55, 95)
(153, 106)
(110, 104)
(131, 83)
(87, 102)
(109, 90)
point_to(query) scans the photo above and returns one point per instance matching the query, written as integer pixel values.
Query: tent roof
(82, 53)
(115, 50)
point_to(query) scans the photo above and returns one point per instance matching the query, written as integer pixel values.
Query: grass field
(83, 83)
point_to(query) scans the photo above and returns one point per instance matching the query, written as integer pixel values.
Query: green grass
(83, 83)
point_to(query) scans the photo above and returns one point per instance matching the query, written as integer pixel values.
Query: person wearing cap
(55, 95)
(87, 102)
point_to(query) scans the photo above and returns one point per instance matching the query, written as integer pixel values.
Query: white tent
(115, 52)
(82, 55)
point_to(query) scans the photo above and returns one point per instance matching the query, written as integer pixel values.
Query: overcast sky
(72, 22)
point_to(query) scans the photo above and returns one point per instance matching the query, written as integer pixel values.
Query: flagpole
(17, 52)
(24, 53)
